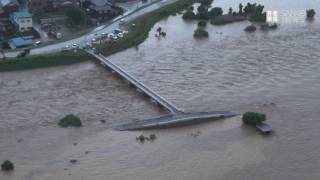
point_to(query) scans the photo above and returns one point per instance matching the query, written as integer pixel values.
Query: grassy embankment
(40, 61)
(143, 25)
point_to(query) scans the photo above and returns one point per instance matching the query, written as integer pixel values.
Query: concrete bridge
(175, 118)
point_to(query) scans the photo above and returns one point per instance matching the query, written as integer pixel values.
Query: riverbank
(41, 61)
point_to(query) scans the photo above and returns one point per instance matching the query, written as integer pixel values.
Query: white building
(22, 20)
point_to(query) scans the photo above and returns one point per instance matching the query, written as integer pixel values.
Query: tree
(310, 13)
(240, 8)
(76, 15)
(70, 120)
(230, 10)
(202, 23)
(202, 12)
(217, 11)
(200, 33)
(7, 166)
(253, 118)
(189, 15)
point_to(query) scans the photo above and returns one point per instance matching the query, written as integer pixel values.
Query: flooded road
(276, 72)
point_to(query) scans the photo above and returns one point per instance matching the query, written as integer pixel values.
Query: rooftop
(19, 42)
(22, 14)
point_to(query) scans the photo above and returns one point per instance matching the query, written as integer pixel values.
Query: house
(102, 7)
(7, 7)
(37, 5)
(60, 4)
(19, 42)
(22, 20)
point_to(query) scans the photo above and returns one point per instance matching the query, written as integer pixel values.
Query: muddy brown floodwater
(276, 72)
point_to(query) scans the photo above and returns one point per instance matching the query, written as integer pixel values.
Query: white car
(37, 43)
(120, 35)
(75, 45)
(122, 21)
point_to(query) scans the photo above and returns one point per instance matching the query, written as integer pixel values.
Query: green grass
(143, 26)
(40, 61)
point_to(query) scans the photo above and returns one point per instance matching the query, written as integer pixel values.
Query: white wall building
(22, 20)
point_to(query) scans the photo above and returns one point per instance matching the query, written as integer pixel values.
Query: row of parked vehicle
(103, 37)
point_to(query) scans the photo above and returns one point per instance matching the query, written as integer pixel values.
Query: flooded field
(276, 72)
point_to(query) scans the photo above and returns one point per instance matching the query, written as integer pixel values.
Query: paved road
(99, 30)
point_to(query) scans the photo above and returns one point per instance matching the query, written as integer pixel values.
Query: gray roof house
(102, 6)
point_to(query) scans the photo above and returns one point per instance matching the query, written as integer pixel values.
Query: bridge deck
(174, 120)
(139, 85)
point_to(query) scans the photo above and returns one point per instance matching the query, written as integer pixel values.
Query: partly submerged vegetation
(252, 12)
(200, 33)
(70, 121)
(311, 13)
(7, 166)
(250, 28)
(253, 118)
(202, 23)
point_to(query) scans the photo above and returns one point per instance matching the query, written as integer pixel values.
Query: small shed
(19, 42)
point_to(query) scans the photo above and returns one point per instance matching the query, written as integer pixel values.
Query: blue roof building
(19, 42)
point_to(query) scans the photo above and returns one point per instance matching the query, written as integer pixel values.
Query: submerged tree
(240, 8)
(310, 13)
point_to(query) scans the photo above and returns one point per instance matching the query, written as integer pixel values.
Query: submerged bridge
(175, 118)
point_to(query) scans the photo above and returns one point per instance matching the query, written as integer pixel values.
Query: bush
(7, 166)
(311, 13)
(76, 15)
(253, 118)
(258, 17)
(202, 23)
(250, 28)
(200, 33)
(217, 11)
(189, 15)
(70, 120)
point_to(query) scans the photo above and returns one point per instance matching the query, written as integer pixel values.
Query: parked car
(75, 45)
(120, 35)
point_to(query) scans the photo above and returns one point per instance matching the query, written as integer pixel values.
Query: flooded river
(276, 72)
